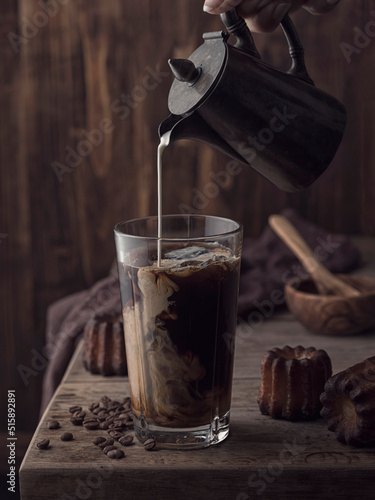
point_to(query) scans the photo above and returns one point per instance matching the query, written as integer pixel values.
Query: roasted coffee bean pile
(106, 414)
(114, 417)
(109, 415)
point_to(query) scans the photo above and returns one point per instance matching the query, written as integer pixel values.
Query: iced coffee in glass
(179, 301)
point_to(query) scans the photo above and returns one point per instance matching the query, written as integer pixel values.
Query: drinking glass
(179, 302)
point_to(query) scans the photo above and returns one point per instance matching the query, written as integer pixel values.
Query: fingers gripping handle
(237, 26)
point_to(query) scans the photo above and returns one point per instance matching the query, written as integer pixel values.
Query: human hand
(266, 15)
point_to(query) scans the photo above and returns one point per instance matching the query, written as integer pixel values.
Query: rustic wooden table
(262, 458)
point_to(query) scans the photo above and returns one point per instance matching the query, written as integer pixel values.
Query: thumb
(219, 6)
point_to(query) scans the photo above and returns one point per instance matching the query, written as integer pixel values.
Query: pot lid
(197, 76)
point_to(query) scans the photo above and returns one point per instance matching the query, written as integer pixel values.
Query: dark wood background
(68, 75)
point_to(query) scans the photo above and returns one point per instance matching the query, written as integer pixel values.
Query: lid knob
(185, 70)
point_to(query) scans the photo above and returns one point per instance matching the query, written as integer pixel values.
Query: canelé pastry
(104, 345)
(349, 404)
(292, 381)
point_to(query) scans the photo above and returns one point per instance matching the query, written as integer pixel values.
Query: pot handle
(237, 26)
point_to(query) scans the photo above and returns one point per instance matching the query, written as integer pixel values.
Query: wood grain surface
(262, 457)
(102, 66)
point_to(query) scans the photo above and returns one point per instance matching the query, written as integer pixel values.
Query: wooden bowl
(331, 314)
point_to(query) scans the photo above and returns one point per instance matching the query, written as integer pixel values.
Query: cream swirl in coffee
(176, 318)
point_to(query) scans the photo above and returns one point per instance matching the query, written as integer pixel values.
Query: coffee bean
(91, 426)
(114, 427)
(109, 448)
(115, 454)
(66, 436)
(124, 416)
(114, 404)
(149, 444)
(53, 424)
(43, 444)
(115, 410)
(120, 421)
(94, 405)
(104, 425)
(115, 434)
(107, 442)
(99, 440)
(126, 440)
(79, 414)
(76, 421)
(105, 400)
(73, 409)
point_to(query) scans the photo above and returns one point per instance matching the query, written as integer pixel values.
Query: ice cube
(189, 263)
(187, 253)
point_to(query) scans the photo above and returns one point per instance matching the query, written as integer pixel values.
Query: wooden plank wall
(67, 75)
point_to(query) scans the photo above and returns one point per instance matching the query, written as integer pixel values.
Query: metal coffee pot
(278, 123)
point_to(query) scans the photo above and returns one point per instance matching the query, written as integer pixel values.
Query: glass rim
(237, 229)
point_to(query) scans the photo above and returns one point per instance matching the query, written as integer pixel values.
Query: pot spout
(194, 127)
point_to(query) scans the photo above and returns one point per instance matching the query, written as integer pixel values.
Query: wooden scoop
(326, 282)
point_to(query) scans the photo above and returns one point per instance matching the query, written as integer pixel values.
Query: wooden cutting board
(262, 458)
